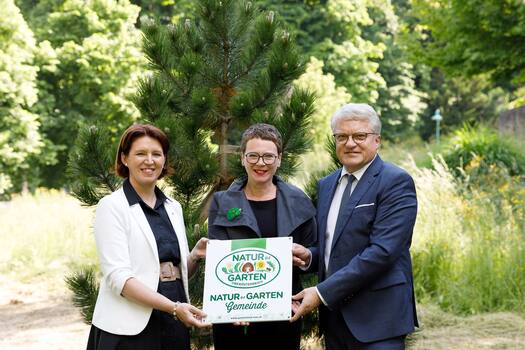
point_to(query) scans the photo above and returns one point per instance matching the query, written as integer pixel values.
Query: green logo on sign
(248, 268)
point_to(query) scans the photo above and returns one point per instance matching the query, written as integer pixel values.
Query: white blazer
(127, 248)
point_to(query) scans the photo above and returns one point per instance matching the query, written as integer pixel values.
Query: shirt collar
(133, 197)
(358, 173)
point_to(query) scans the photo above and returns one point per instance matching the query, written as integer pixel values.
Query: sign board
(248, 280)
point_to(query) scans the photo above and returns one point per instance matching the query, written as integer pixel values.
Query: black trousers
(258, 336)
(337, 336)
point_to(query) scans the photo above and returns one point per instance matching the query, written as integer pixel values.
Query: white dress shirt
(333, 213)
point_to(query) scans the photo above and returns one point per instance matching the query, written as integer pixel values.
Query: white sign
(248, 280)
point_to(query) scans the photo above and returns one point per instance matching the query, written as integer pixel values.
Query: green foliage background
(88, 61)
(80, 61)
(20, 138)
(69, 71)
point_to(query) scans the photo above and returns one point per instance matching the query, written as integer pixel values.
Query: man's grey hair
(357, 111)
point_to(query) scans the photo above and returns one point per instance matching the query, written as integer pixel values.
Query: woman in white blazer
(143, 301)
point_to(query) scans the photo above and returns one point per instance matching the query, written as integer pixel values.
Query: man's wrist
(320, 296)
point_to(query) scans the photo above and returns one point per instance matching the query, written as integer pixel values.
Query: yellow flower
(474, 162)
(260, 265)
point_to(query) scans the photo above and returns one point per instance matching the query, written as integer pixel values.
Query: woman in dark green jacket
(269, 207)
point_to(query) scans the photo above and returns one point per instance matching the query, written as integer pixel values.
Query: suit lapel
(325, 200)
(138, 215)
(324, 203)
(363, 185)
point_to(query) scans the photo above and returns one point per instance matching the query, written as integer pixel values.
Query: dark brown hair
(264, 132)
(134, 132)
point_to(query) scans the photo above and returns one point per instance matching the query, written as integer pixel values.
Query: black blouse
(167, 243)
(266, 215)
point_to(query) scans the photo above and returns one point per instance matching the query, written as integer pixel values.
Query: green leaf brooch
(233, 213)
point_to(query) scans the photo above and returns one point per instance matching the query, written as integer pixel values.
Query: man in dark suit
(366, 213)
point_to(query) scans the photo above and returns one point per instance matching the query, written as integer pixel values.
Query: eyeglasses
(253, 158)
(358, 137)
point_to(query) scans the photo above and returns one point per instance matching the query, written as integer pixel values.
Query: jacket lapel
(138, 215)
(236, 199)
(324, 202)
(292, 209)
(177, 221)
(362, 186)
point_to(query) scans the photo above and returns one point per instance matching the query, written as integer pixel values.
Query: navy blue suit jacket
(369, 277)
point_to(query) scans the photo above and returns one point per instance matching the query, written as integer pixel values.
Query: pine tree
(85, 286)
(212, 77)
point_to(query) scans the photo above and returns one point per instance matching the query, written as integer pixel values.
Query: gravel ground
(33, 317)
(40, 316)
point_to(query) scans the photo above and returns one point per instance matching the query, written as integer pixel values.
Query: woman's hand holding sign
(189, 315)
(301, 256)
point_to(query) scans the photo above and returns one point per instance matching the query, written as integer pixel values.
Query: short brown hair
(264, 132)
(134, 132)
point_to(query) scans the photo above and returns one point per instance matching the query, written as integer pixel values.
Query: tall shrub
(473, 151)
(89, 62)
(19, 128)
(468, 249)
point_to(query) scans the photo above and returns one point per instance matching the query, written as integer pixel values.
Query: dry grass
(443, 331)
(45, 235)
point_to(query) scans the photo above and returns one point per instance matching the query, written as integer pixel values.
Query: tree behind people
(232, 67)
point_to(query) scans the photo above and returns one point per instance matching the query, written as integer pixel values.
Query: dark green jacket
(295, 217)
